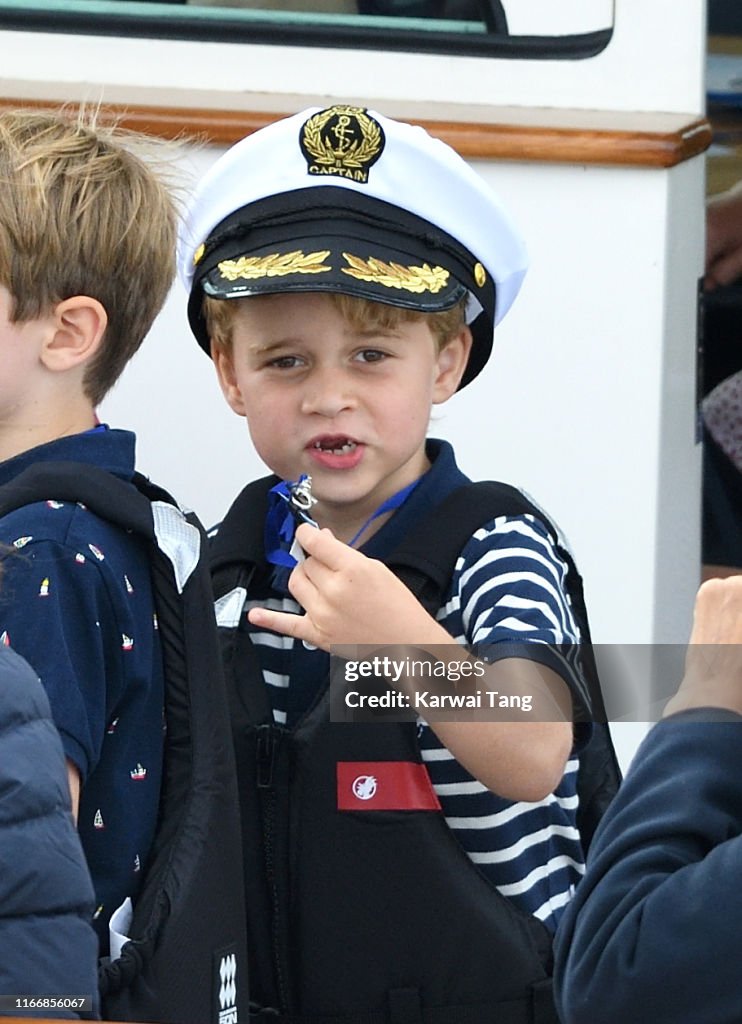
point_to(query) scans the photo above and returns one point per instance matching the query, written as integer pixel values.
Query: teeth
(343, 449)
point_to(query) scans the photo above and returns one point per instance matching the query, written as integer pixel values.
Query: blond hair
(83, 213)
(358, 313)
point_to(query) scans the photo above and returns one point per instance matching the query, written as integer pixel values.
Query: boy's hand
(724, 238)
(713, 663)
(348, 599)
(351, 599)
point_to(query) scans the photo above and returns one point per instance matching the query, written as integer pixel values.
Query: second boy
(346, 273)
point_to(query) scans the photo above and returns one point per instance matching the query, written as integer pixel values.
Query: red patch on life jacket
(385, 786)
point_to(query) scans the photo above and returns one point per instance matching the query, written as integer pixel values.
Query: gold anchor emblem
(342, 141)
(341, 133)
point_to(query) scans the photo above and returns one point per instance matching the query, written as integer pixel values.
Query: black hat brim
(333, 240)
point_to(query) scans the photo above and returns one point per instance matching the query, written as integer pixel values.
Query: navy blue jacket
(76, 602)
(47, 942)
(654, 931)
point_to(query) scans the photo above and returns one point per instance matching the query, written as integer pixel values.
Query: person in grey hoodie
(48, 948)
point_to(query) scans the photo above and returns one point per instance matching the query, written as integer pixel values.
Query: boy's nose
(328, 392)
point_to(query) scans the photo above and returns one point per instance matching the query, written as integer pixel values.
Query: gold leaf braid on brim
(394, 275)
(252, 268)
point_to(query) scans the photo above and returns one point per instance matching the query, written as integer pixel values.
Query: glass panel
(507, 28)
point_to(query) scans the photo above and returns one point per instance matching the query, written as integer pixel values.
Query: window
(532, 29)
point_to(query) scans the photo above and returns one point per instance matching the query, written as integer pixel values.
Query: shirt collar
(112, 450)
(443, 477)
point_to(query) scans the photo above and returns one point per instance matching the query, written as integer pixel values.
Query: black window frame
(493, 42)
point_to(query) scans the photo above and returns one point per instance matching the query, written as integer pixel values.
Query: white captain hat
(345, 199)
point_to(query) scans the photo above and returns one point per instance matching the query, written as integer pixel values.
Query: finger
(324, 546)
(717, 617)
(716, 247)
(726, 268)
(704, 617)
(718, 239)
(302, 586)
(297, 626)
(315, 580)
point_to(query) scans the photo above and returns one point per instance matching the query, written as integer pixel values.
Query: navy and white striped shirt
(508, 589)
(508, 586)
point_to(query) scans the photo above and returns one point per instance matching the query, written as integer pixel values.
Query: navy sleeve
(653, 931)
(58, 612)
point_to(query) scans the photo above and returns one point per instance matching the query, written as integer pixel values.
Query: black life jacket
(371, 917)
(186, 962)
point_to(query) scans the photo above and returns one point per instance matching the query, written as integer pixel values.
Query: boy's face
(20, 348)
(348, 406)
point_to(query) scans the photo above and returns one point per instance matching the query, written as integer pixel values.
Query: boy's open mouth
(336, 445)
(336, 451)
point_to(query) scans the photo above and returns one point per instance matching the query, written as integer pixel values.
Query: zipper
(267, 745)
(268, 740)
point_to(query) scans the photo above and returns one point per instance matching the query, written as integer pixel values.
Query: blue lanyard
(386, 506)
(281, 521)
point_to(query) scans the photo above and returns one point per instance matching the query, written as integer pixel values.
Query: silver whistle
(301, 499)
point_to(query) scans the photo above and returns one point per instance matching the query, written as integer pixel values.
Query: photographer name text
(424, 700)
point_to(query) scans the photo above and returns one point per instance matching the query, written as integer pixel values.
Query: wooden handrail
(528, 134)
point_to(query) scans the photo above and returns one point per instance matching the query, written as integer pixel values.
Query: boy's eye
(284, 362)
(371, 355)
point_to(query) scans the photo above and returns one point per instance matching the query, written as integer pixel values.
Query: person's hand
(348, 599)
(724, 238)
(713, 662)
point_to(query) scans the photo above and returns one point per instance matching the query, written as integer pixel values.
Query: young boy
(346, 272)
(87, 239)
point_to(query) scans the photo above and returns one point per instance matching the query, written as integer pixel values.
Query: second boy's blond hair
(82, 214)
(360, 314)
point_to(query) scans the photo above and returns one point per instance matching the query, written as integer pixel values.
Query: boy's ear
(452, 360)
(224, 365)
(77, 326)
